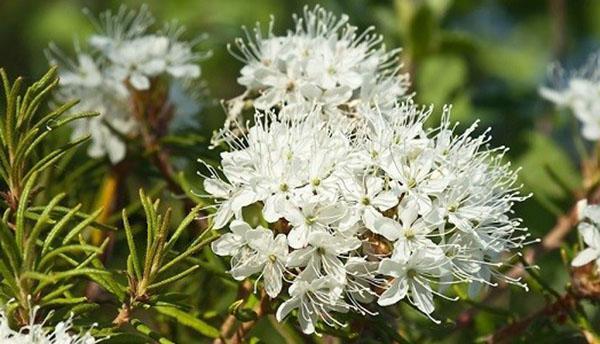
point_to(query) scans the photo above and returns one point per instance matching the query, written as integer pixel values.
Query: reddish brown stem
(559, 309)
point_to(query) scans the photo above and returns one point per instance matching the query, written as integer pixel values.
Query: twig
(154, 112)
(560, 307)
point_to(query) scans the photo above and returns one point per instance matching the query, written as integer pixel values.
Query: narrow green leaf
(9, 246)
(81, 226)
(174, 278)
(20, 221)
(28, 256)
(67, 249)
(56, 293)
(57, 229)
(186, 319)
(182, 226)
(144, 329)
(132, 249)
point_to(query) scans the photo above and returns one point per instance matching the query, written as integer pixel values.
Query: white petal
(272, 275)
(298, 236)
(216, 188)
(239, 227)
(390, 268)
(306, 321)
(332, 213)
(585, 256)
(223, 215)
(272, 208)
(422, 297)
(286, 308)
(591, 235)
(385, 200)
(243, 198)
(299, 257)
(139, 81)
(116, 149)
(387, 227)
(408, 215)
(226, 245)
(396, 292)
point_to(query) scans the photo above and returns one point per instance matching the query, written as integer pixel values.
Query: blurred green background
(486, 57)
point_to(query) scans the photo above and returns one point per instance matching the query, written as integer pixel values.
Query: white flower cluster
(40, 334)
(588, 228)
(391, 212)
(323, 62)
(581, 95)
(124, 57)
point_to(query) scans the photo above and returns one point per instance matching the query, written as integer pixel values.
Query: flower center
(272, 258)
(316, 182)
(409, 234)
(283, 187)
(290, 86)
(310, 220)
(411, 273)
(365, 201)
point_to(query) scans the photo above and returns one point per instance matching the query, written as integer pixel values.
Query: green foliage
(23, 128)
(43, 250)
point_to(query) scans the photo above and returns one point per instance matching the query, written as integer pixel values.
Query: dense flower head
(323, 61)
(122, 57)
(579, 91)
(388, 211)
(61, 333)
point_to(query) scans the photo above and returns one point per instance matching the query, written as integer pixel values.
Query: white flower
(254, 250)
(124, 57)
(230, 244)
(325, 62)
(272, 253)
(368, 197)
(581, 94)
(234, 199)
(61, 333)
(591, 236)
(312, 218)
(315, 300)
(409, 234)
(411, 279)
(429, 208)
(323, 255)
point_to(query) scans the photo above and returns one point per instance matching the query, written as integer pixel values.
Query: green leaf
(132, 249)
(20, 222)
(186, 319)
(439, 78)
(542, 164)
(144, 329)
(81, 226)
(174, 278)
(32, 239)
